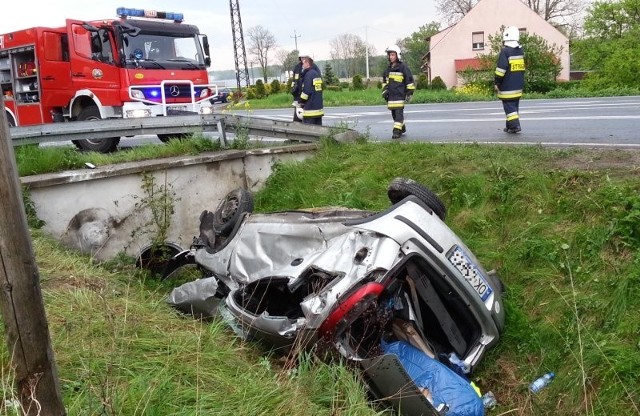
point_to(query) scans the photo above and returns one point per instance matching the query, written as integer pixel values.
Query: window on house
(477, 40)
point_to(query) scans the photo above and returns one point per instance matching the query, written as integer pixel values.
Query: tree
(328, 75)
(557, 11)
(287, 59)
(261, 41)
(610, 46)
(542, 62)
(415, 46)
(348, 53)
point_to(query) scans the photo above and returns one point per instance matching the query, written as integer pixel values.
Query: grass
(372, 96)
(562, 227)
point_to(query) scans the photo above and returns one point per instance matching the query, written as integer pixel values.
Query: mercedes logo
(174, 90)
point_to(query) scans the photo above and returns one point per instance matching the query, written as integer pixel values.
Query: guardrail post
(222, 132)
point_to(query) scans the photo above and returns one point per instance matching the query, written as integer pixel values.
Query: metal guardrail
(221, 123)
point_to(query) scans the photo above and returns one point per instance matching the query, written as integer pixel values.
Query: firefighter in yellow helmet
(509, 77)
(397, 87)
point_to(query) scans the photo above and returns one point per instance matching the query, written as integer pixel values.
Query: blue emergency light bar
(150, 14)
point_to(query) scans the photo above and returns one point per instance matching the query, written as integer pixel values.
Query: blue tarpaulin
(446, 387)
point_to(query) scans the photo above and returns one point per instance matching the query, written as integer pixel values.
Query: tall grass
(561, 227)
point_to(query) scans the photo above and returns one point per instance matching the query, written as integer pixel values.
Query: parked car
(353, 280)
(224, 95)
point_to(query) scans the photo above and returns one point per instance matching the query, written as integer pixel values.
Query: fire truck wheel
(165, 138)
(12, 123)
(105, 145)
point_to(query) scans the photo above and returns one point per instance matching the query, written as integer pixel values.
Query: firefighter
(295, 87)
(310, 105)
(296, 83)
(509, 77)
(397, 87)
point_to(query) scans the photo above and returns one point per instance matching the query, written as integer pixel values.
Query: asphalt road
(590, 122)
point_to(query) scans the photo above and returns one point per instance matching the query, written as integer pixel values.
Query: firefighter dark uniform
(509, 78)
(397, 87)
(296, 86)
(311, 96)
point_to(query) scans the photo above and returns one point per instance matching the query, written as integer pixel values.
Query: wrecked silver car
(358, 281)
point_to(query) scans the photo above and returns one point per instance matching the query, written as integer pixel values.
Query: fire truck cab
(143, 64)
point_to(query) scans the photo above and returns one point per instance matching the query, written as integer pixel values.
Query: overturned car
(380, 288)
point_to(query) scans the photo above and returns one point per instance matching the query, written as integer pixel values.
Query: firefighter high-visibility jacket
(311, 94)
(510, 73)
(397, 84)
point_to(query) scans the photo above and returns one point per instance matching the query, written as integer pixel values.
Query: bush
(422, 83)
(276, 86)
(260, 90)
(438, 84)
(379, 85)
(345, 85)
(333, 88)
(357, 82)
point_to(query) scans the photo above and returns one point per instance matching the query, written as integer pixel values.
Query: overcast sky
(316, 23)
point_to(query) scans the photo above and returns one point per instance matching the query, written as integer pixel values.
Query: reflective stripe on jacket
(509, 75)
(397, 80)
(311, 94)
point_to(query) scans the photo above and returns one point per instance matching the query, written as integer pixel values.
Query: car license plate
(461, 261)
(178, 107)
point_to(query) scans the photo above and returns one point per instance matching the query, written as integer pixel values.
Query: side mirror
(207, 61)
(205, 44)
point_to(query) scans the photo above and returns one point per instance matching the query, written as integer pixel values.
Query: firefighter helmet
(511, 33)
(396, 49)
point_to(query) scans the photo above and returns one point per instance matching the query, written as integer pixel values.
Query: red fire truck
(142, 64)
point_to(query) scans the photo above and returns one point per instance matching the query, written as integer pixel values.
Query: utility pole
(366, 48)
(25, 322)
(295, 37)
(239, 52)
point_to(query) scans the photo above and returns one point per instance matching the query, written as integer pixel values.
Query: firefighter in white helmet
(397, 87)
(509, 77)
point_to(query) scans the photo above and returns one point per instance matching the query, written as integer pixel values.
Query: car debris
(396, 292)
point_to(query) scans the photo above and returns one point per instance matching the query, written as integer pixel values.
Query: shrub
(333, 88)
(357, 82)
(275, 86)
(438, 84)
(345, 85)
(260, 90)
(379, 85)
(422, 83)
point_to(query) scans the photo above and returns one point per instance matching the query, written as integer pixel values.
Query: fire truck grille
(177, 91)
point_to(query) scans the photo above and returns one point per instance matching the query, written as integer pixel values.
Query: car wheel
(155, 257)
(165, 138)
(231, 209)
(106, 145)
(400, 188)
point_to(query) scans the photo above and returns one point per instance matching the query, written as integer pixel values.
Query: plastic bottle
(489, 400)
(542, 382)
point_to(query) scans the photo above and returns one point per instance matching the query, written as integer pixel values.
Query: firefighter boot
(396, 134)
(404, 129)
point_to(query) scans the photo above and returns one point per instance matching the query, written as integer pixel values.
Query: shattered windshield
(166, 51)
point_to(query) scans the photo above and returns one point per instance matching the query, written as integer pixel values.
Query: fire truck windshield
(164, 51)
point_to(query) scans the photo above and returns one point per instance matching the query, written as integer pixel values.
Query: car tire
(230, 210)
(155, 257)
(400, 188)
(166, 138)
(106, 145)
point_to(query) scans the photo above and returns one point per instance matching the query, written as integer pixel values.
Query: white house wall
(489, 16)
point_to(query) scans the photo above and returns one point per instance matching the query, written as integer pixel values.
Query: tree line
(602, 38)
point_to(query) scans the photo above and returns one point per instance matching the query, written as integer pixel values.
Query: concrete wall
(106, 211)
